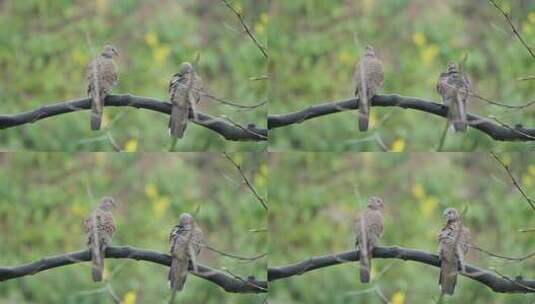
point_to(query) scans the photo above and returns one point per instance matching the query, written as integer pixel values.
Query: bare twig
(237, 257)
(508, 18)
(246, 28)
(530, 201)
(247, 182)
(521, 106)
(527, 78)
(521, 258)
(232, 104)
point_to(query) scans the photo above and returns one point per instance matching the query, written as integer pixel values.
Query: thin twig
(515, 182)
(230, 103)
(527, 256)
(513, 27)
(443, 138)
(237, 257)
(530, 77)
(522, 106)
(247, 182)
(246, 28)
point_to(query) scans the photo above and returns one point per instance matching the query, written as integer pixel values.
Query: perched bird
(368, 229)
(185, 243)
(99, 228)
(185, 87)
(454, 242)
(101, 77)
(454, 88)
(369, 78)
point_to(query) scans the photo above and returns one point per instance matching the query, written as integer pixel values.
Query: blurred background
(314, 45)
(314, 198)
(45, 198)
(46, 45)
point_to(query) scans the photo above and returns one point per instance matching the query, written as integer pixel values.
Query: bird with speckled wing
(368, 229)
(99, 228)
(101, 77)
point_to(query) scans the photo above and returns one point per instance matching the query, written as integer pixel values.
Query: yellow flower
(260, 28)
(161, 53)
(151, 39)
(527, 180)
(429, 205)
(78, 210)
(260, 178)
(131, 145)
(531, 169)
(373, 120)
(160, 206)
(398, 145)
(506, 158)
(531, 17)
(527, 28)
(105, 273)
(398, 297)
(418, 191)
(419, 39)
(79, 58)
(130, 298)
(368, 5)
(429, 53)
(102, 6)
(264, 18)
(345, 57)
(238, 7)
(151, 191)
(105, 119)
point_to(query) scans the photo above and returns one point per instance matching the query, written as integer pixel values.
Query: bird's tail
(457, 114)
(365, 263)
(178, 122)
(178, 274)
(97, 261)
(364, 106)
(96, 112)
(447, 279)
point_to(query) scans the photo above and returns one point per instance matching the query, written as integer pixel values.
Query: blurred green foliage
(314, 45)
(314, 198)
(45, 198)
(45, 46)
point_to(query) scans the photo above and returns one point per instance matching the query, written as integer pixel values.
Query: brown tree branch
(228, 283)
(498, 132)
(498, 283)
(218, 125)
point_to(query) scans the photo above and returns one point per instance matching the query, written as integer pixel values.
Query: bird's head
(185, 219)
(186, 68)
(375, 203)
(452, 67)
(369, 51)
(110, 51)
(107, 203)
(451, 214)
